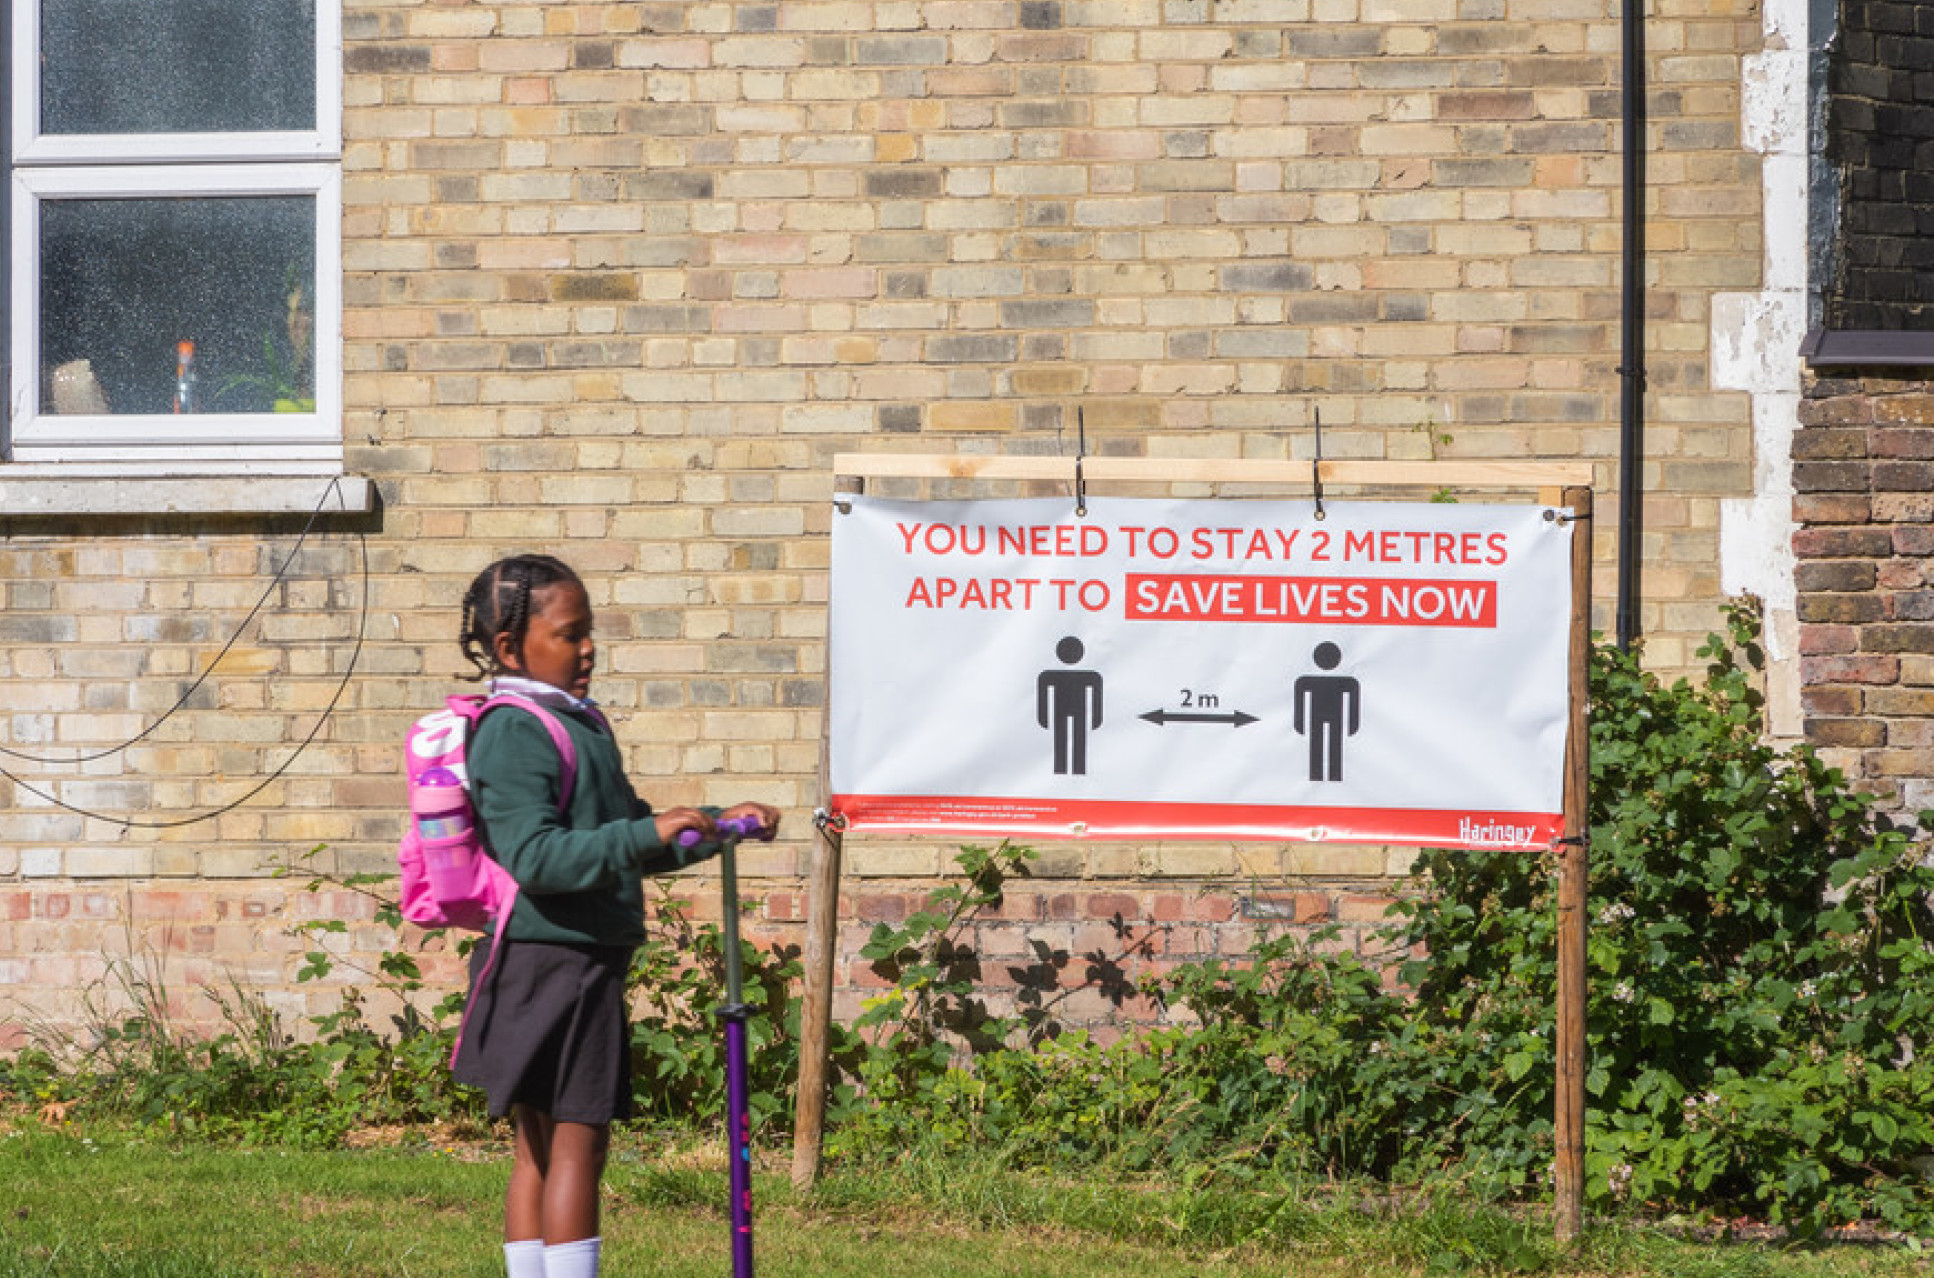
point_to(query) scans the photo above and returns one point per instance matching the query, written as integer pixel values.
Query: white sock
(524, 1259)
(572, 1259)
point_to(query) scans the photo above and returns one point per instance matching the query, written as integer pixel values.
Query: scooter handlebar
(727, 829)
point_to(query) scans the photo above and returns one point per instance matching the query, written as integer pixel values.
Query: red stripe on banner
(1351, 601)
(1093, 819)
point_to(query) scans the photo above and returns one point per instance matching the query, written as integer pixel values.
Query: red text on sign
(1006, 594)
(1038, 541)
(1393, 547)
(1344, 601)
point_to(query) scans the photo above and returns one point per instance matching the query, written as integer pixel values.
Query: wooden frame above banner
(1555, 483)
(1548, 478)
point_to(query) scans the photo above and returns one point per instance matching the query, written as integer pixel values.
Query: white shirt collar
(538, 691)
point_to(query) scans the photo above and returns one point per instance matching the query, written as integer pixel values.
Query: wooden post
(816, 1006)
(822, 952)
(1568, 1199)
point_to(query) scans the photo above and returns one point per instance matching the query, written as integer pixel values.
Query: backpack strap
(560, 736)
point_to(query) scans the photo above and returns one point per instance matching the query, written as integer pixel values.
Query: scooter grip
(730, 828)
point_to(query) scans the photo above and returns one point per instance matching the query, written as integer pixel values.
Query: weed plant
(253, 1081)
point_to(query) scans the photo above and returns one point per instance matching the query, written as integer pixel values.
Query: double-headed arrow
(1235, 718)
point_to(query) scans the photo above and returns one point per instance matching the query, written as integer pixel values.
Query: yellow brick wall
(621, 279)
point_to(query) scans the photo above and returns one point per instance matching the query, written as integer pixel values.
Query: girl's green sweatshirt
(578, 873)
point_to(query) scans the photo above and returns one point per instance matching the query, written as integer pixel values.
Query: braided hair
(499, 603)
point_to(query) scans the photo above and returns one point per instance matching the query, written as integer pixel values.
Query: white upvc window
(174, 237)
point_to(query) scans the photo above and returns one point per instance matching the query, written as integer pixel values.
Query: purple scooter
(738, 1110)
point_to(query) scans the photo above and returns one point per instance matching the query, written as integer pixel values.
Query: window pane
(177, 66)
(124, 282)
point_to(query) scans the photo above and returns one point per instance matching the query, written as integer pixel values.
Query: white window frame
(183, 165)
(42, 436)
(32, 147)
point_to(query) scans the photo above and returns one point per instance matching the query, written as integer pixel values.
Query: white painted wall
(1756, 348)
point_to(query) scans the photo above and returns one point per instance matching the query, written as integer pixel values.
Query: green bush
(1760, 978)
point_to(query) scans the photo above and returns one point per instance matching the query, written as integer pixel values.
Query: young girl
(546, 1036)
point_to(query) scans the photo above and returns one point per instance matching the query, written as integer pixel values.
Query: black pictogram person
(1323, 705)
(1068, 702)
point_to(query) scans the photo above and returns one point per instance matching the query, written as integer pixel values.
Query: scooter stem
(738, 1110)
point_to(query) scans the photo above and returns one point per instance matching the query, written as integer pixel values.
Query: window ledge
(55, 490)
(1867, 348)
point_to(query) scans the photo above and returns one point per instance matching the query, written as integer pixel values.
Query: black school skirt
(547, 1028)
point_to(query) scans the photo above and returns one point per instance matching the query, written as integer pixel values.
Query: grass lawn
(76, 1204)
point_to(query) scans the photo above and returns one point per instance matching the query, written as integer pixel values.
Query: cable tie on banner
(1080, 455)
(824, 820)
(1316, 462)
(1566, 517)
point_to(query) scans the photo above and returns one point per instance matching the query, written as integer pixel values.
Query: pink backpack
(448, 878)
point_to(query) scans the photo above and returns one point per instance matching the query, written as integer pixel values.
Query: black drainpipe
(1631, 369)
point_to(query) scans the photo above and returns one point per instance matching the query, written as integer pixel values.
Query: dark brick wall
(1863, 473)
(1880, 140)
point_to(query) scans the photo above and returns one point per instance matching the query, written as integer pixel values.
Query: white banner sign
(1391, 673)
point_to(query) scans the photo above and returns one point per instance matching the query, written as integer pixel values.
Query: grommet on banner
(1316, 462)
(1080, 455)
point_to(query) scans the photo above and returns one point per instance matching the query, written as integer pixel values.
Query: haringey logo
(1494, 833)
